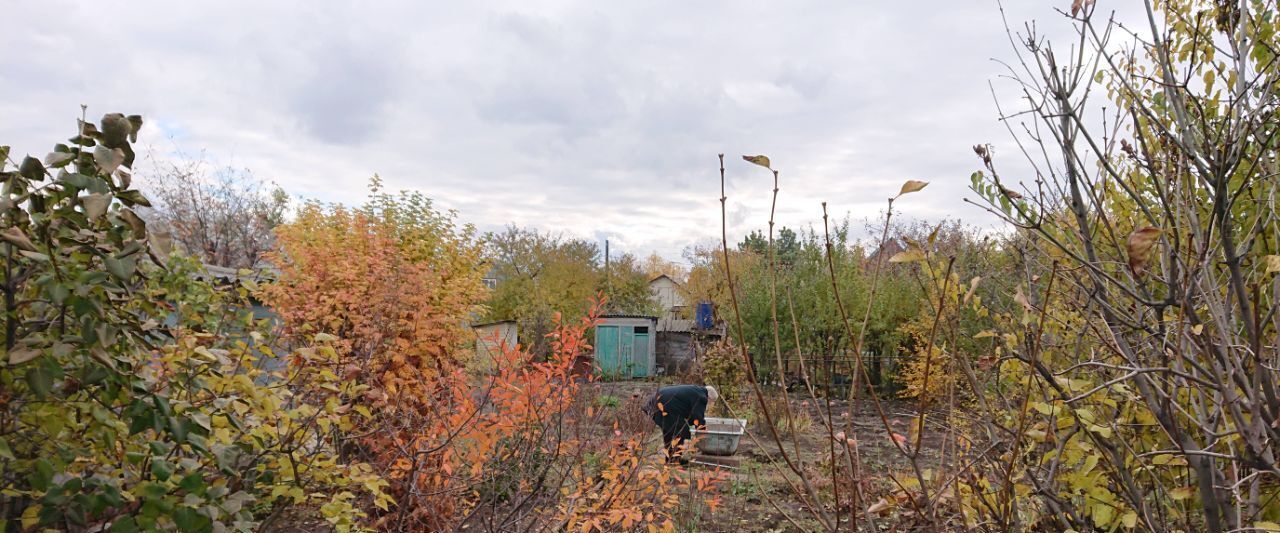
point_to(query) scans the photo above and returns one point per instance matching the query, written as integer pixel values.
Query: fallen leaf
(912, 186)
(1141, 241)
(878, 507)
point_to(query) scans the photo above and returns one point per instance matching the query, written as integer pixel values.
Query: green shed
(625, 345)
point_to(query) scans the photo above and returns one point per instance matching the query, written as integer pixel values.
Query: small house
(490, 340)
(625, 345)
(669, 295)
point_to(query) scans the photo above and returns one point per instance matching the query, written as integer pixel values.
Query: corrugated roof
(623, 315)
(681, 325)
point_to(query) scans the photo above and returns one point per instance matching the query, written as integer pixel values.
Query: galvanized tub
(721, 435)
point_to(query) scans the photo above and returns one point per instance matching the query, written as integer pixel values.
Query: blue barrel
(705, 315)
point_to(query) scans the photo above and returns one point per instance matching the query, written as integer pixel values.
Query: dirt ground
(756, 490)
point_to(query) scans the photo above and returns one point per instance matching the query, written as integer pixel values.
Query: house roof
(660, 276)
(494, 323)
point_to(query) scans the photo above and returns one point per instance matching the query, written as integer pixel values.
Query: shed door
(640, 355)
(607, 349)
(626, 350)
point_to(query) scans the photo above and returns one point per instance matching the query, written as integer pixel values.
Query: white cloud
(592, 119)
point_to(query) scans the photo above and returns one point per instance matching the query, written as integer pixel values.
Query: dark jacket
(688, 402)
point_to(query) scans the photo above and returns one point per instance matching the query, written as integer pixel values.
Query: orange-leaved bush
(394, 280)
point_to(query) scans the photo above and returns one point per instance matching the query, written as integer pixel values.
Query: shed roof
(494, 323)
(623, 315)
(681, 325)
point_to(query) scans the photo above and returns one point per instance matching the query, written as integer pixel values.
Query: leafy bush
(134, 396)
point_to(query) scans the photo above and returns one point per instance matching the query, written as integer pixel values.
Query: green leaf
(41, 476)
(188, 519)
(5, 452)
(31, 169)
(122, 269)
(40, 379)
(193, 483)
(161, 469)
(124, 524)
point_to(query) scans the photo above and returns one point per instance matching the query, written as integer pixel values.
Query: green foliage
(541, 275)
(132, 395)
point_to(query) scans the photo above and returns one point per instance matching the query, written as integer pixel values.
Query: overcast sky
(596, 119)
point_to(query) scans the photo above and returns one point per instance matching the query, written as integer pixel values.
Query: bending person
(674, 409)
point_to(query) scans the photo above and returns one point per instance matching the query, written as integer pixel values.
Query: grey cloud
(564, 115)
(347, 92)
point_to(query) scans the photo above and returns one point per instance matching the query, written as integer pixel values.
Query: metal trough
(721, 435)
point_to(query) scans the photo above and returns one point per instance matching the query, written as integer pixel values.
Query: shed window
(642, 329)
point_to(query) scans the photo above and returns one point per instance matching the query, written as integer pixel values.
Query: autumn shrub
(724, 369)
(132, 394)
(395, 282)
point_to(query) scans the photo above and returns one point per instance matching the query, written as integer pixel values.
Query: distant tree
(785, 243)
(224, 216)
(655, 265)
(628, 288)
(539, 275)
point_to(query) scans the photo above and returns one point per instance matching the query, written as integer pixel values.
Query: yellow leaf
(1129, 519)
(1181, 493)
(1267, 526)
(31, 517)
(912, 186)
(1197, 329)
(758, 159)
(1273, 263)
